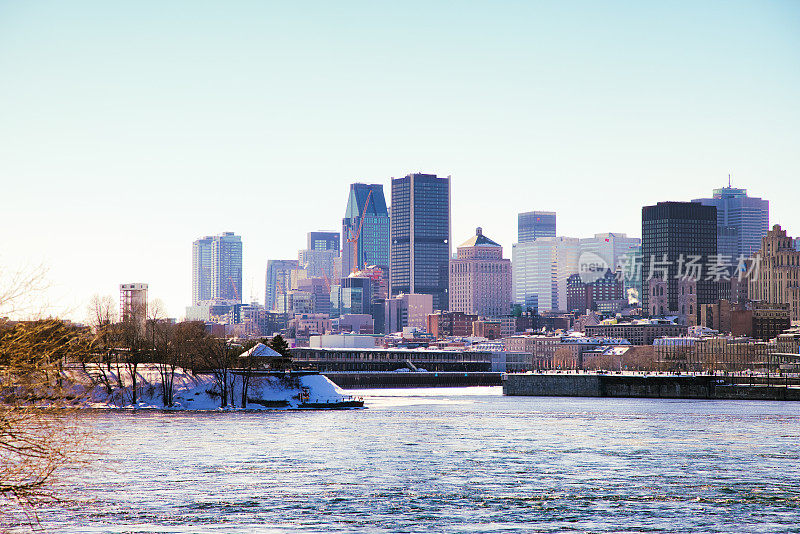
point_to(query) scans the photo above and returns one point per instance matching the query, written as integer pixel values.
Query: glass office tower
(367, 202)
(741, 221)
(535, 224)
(420, 237)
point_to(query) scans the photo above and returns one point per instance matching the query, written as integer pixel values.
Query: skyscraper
(321, 256)
(226, 271)
(278, 283)
(610, 247)
(217, 268)
(420, 236)
(366, 209)
(535, 224)
(540, 270)
(679, 240)
(741, 221)
(480, 278)
(777, 280)
(201, 269)
(323, 241)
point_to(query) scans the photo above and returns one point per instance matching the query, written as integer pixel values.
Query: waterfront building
(542, 348)
(391, 359)
(679, 240)
(343, 341)
(640, 332)
(366, 209)
(540, 270)
(775, 272)
(573, 350)
(133, 303)
(480, 278)
(724, 353)
(420, 237)
(443, 324)
(532, 225)
(405, 311)
(741, 221)
(278, 283)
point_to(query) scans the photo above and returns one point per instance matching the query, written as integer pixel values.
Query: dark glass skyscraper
(741, 221)
(421, 237)
(673, 235)
(535, 224)
(323, 241)
(368, 202)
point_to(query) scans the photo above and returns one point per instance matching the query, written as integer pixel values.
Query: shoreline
(711, 387)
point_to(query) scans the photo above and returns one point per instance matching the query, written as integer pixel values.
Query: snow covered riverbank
(201, 391)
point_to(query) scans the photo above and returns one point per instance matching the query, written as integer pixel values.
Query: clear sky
(129, 129)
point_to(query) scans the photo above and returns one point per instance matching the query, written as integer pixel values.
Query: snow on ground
(200, 392)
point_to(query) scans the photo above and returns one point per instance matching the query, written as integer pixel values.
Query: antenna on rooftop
(729, 180)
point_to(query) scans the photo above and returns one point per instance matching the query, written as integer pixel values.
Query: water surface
(446, 460)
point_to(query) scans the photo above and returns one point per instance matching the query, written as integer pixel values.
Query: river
(445, 460)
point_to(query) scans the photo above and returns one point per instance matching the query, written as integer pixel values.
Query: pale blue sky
(127, 130)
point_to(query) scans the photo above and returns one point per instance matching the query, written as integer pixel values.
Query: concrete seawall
(667, 387)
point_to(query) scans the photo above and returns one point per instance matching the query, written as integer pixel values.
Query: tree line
(47, 366)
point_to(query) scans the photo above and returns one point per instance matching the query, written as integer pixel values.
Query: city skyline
(178, 309)
(127, 154)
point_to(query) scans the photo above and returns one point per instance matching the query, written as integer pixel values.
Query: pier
(742, 387)
(390, 379)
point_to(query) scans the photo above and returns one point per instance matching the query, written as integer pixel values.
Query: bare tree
(39, 432)
(160, 333)
(247, 366)
(218, 356)
(98, 363)
(20, 290)
(132, 346)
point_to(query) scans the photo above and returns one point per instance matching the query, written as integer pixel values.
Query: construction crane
(327, 280)
(354, 238)
(233, 285)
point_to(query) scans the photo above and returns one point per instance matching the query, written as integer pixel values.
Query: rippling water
(447, 460)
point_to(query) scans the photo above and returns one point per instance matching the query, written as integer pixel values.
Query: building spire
(729, 180)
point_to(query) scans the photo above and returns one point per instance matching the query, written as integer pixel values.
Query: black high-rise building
(677, 237)
(420, 237)
(323, 241)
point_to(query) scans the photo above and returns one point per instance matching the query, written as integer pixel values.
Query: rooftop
(479, 240)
